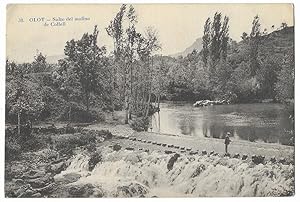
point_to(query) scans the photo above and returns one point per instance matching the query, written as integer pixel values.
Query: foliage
(286, 79)
(23, 97)
(67, 142)
(140, 124)
(133, 69)
(87, 63)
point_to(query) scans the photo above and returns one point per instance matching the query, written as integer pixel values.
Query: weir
(194, 176)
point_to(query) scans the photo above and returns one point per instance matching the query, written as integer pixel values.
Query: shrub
(79, 114)
(16, 144)
(67, 142)
(106, 134)
(140, 124)
(12, 148)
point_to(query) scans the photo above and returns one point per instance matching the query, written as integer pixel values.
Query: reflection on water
(252, 122)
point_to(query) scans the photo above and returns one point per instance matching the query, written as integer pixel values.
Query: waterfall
(190, 176)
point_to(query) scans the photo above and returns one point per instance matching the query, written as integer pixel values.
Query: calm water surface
(253, 122)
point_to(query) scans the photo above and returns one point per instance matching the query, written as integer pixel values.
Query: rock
(244, 157)
(193, 152)
(32, 174)
(258, 159)
(236, 156)
(59, 160)
(95, 158)
(98, 193)
(57, 168)
(47, 189)
(131, 190)
(227, 155)
(129, 148)
(117, 147)
(68, 178)
(86, 190)
(21, 190)
(204, 152)
(40, 182)
(36, 195)
(282, 160)
(273, 159)
(198, 170)
(172, 160)
(18, 182)
(168, 152)
(26, 194)
(216, 154)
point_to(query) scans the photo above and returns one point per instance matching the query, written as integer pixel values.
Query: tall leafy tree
(215, 40)
(206, 41)
(23, 97)
(130, 49)
(254, 45)
(86, 59)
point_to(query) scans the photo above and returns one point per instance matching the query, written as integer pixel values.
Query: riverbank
(130, 164)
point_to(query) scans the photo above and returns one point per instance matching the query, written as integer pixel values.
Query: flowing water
(136, 174)
(263, 122)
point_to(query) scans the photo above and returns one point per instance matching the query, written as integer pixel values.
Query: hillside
(197, 45)
(275, 42)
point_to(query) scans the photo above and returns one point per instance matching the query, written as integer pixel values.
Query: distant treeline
(259, 67)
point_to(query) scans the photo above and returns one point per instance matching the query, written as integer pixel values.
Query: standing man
(227, 142)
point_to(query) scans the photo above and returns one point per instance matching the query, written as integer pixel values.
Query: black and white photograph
(149, 100)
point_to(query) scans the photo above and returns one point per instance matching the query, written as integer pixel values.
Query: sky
(178, 25)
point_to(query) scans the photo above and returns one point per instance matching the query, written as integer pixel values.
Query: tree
(285, 85)
(206, 41)
(244, 36)
(130, 49)
(39, 64)
(215, 40)
(283, 25)
(254, 45)
(86, 59)
(23, 97)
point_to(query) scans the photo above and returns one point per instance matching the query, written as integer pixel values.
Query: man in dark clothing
(227, 142)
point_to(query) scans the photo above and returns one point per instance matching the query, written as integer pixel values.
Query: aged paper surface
(149, 100)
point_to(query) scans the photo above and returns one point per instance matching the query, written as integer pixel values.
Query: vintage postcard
(149, 100)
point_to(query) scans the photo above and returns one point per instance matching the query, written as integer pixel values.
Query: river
(260, 122)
